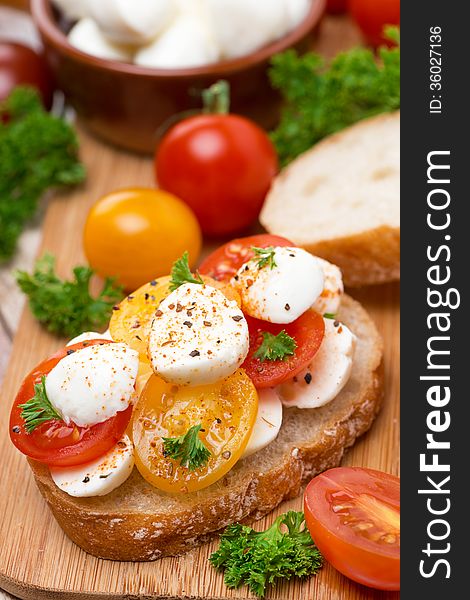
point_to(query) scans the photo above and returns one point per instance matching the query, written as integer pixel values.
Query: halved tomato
(226, 412)
(223, 263)
(353, 515)
(54, 442)
(307, 331)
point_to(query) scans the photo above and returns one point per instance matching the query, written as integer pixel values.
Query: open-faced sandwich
(211, 399)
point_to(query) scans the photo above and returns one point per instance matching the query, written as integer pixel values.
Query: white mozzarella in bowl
(329, 300)
(186, 43)
(74, 9)
(198, 336)
(86, 336)
(328, 372)
(243, 26)
(135, 22)
(268, 421)
(86, 36)
(91, 385)
(296, 11)
(99, 477)
(284, 292)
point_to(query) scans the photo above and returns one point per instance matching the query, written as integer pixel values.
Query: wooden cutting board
(37, 561)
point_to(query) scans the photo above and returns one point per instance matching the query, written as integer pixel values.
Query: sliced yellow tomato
(132, 318)
(226, 412)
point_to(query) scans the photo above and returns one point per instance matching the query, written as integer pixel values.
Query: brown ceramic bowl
(126, 104)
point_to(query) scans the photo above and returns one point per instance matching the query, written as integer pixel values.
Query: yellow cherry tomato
(132, 318)
(226, 412)
(136, 235)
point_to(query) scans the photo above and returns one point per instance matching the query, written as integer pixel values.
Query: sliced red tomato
(307, 331)
(353, 515)
(224, 262)
(54, 442)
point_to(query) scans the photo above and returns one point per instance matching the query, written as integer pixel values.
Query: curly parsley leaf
(320, 99)
(265, 257)
(259, 559)
(38, 151)
(189, 449)
(181, 273)
(38, 409)
(66, 307)
(275, 347)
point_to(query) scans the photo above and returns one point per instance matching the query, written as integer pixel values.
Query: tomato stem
(216, 98)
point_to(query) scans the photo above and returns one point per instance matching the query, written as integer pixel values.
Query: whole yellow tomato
(136, 234)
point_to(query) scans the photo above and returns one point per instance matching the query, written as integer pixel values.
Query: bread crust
(136, 522)
(369, 257)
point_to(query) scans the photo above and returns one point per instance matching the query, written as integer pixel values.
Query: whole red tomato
(372, 15)
(222, 166)
(20, 65)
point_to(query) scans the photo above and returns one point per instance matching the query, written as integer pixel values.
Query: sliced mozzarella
(92, 385)
(268, 421)
(242, 26)
(90, 335)
(327, 374)
(99, 477)
(74, 9)
(198, 336)
(186, 43)
(282, 293)
(87, 37)
(330, 299)
(135, 22)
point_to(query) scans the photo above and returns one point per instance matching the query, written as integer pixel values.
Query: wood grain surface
(37, 561)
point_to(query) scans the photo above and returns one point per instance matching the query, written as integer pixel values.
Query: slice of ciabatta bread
(341, 201)
(137, 522)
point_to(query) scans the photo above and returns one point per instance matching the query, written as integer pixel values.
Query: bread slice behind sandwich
(137, 522)
(341, 201)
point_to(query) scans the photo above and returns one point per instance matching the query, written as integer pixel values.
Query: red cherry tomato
(308, 331)
(336, 6)
(20, 65)
(54, 442)
(222, 166)
(223, 263)
(353, 515)
(372, 15)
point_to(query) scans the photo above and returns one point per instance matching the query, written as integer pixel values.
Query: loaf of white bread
(341, 201)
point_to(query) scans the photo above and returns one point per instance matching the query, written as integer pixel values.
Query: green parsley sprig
(66, 307)
(38, 151)
(181, 273)
(265, 257)
(188, 449)
(275, 347)
(259, 559)
(38, 409)
(320, 100)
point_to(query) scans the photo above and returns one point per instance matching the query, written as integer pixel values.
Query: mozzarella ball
(280, 291)
(186, 43)
(268, 421)
(87, 37)
(242, 26)
(132, 22)
(98, 477)
(91, 385)
(198, 336)
(329, 300)
(328, 372)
